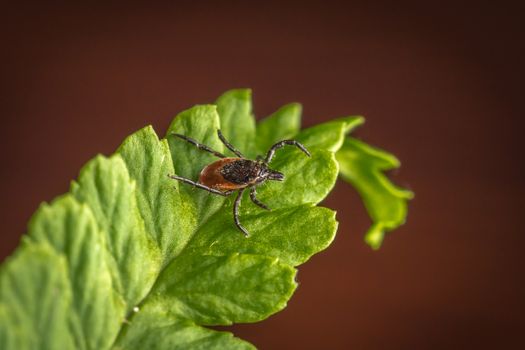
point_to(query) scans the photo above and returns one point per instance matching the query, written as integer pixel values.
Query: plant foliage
(130, 259)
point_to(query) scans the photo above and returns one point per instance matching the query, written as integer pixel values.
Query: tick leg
(280, 144)
(199, 145)
(229, 145)
(201, 186)
(236, 205)
(253, 196)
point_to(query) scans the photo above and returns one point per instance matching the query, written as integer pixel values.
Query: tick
(229, 174)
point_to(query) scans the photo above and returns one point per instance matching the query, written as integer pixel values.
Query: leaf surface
(25, 324)
(284, 124)
(70, 230)
(105, 185)
(237, 121)
(163, 208)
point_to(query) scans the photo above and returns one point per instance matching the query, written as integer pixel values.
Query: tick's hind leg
(253, 197)
(229, 145)
(201, 186)
(236, 205)
(199, 145)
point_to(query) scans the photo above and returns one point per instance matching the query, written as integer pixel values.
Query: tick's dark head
(275, 175)
(266, 173)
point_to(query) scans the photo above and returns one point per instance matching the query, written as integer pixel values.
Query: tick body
(228, 174)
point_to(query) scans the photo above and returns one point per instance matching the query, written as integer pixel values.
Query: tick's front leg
(253, 197)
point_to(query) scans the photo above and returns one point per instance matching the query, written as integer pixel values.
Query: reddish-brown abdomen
(211, 176)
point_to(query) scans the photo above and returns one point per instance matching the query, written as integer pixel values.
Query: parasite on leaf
(230, 174)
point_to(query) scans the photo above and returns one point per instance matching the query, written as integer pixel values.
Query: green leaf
(221, 290)
(281, 125)
(160, 204)
(363, 167)
(330, 135)
(132, 259)
(35, 318)
(154, 328)
(237, 121)
(70, 229)
(307, 179)
(105, 185)
(277, 233)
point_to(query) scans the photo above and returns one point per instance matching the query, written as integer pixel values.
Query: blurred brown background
(439, 82)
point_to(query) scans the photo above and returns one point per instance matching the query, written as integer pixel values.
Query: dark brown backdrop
(439, 83)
